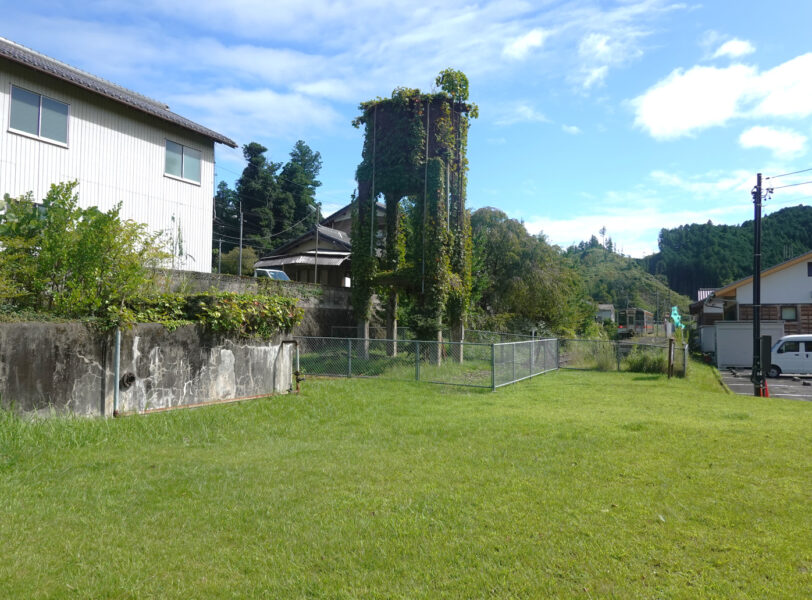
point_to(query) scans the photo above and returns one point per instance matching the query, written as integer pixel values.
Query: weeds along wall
(69, 368)
(415, 149)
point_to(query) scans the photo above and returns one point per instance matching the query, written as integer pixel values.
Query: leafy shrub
(71, 261)
(244, 315)
(647, 361)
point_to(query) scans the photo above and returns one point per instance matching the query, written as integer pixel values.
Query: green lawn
(573, 484)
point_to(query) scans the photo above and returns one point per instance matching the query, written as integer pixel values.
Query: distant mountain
(614, 279)
(709, 256)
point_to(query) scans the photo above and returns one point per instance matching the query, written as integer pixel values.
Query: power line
(792, 173)
(278, 233)
(772, 189)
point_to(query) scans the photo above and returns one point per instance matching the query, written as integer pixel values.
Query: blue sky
(633, 115)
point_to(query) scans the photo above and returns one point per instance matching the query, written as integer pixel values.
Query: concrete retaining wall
(69, 367)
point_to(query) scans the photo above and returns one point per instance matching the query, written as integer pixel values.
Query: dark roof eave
(49, 66)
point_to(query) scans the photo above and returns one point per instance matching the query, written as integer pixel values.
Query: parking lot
(785, 386)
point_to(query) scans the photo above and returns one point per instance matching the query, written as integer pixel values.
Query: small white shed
(734, 341)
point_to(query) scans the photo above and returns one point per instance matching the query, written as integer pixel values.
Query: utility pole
(316, 261)
(240, 267)
(757, 375)
(219, 253)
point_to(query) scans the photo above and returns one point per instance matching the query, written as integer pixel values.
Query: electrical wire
(772, 189)
(792, 173)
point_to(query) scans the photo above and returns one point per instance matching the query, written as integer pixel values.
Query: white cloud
(706, 185)
(246, 114)
(734, 48)
(596, 46)
(689, 101)
(786, 90)
(522, 45)
(783, 143)
(571, 129)
(520, 112)
(333, 89)
(596, 76)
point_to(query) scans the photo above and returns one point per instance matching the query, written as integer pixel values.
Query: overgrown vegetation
(70, 261)
(244, 315)
(415, 157)
(640, 360)
(521, 283)
(58, 260)
(604, 485)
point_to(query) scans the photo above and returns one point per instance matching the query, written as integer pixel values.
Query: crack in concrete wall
(68, 367)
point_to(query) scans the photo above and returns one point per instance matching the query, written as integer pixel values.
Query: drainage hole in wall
(126, 381)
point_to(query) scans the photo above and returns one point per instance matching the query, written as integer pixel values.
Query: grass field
(573, 484)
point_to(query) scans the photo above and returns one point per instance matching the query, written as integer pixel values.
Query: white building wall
(117, 155)
(789, 286)
(734, 341)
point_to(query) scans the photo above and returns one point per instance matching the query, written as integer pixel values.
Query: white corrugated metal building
(59, 124)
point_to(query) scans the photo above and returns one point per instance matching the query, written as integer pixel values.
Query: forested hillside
(614, 279)
(702, 256)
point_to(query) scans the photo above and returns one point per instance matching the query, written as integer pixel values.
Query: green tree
(294, 211)
(257, 192)
(521, 276)
(73, 261)
(226, 216)
(231, 261)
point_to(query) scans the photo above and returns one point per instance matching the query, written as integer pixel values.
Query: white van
(791, 354)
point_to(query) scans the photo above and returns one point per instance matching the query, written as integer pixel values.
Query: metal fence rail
(473, 336)
(515, 361)
(480, 365)
(600, 355)
(451, 363)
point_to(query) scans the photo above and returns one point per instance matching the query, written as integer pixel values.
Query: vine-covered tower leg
(436, 267)
(393, 258)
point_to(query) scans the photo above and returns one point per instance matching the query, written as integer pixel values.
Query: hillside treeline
(710, 256)
(611, 278)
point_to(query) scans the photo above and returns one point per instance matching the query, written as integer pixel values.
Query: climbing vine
(415, 146)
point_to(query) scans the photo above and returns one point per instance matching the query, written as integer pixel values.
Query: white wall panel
(117, 155)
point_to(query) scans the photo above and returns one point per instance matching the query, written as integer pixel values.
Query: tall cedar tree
(278, 201)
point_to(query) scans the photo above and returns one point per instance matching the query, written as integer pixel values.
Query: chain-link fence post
(417, 360)
(685, 360)
(493, 367)
(617, 355)
(349, 357)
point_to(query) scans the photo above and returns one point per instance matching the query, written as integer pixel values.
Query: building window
(809, 269)
(789, 313)
(38, 115)
(182, 161)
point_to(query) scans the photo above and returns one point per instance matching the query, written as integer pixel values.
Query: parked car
(791, 354)
(272, 274)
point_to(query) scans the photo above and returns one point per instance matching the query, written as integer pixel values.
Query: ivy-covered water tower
(415, 148)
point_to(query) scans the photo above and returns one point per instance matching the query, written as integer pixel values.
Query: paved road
(738, 380)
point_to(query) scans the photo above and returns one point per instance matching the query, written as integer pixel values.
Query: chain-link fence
(482, 365)
(514, 361)
(473, 336)
(453, 363)
(638, 357)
